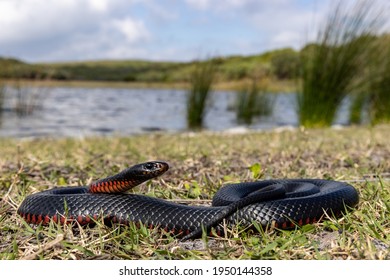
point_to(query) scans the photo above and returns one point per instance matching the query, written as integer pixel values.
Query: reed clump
(379, 93)
(2, 98)
(330, 66)
(252, 101)
(356, 108)
(2, 94)
(21, 100)
(198, 96)
(28, 101)
(371, 102)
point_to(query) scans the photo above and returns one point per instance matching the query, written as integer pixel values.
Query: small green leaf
(269, 247)
(61, 181)
(194, 190)
(330, 225)
(254, 241)
(256, 170)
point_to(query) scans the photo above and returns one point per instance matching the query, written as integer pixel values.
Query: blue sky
(69, 30)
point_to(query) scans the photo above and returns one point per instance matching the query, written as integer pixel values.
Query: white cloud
(41, 30)
(233, 5)
(68, 29)
(284, 39)
(288, 27)
(199, 4)
(134, 30)
(276, 24)
(22, 21)
(98, 5)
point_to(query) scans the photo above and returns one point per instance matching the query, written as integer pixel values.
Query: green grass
(200, 164)
(331, 65)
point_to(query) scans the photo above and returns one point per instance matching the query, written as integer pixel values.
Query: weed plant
(329, 66)
(201, 82)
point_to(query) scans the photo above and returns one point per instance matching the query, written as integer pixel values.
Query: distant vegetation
(279, 65)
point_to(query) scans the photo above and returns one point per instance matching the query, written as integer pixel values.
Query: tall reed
(372, 99)
(2, 95)
(252, 101)
(358, 104)
(330, 65)
(2, 98)
(28, 100)
(379, 94)
(22, 100)
(197, 99)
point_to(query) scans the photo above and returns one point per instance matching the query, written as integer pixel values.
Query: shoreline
(274, 87)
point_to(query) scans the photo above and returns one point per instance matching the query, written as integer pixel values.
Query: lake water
(79, 112)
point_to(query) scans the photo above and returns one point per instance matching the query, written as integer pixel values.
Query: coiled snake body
(282, 203)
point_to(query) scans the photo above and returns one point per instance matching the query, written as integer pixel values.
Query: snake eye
(150, 166)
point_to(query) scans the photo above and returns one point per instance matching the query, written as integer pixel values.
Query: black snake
(281, 203)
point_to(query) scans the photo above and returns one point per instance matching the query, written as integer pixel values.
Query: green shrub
(285, 64)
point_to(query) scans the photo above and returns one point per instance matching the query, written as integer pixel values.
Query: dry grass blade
(47, 246)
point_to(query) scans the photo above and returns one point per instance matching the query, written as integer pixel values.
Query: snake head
(152, 168)
(129, 177)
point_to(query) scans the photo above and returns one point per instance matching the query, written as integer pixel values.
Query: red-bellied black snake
(283, 203)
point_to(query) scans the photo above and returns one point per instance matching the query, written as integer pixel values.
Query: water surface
(79, 112)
